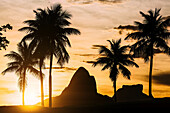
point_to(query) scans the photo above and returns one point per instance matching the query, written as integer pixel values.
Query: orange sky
(96, 21)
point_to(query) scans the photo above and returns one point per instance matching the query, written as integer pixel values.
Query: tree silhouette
(115, 59)
(152, 33)
(50, 30)
(22, 63)
(3, 41)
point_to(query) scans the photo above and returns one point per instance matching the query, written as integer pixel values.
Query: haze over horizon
(96, 20)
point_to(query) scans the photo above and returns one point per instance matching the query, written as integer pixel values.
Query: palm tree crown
(152, 33)
(23, 62)
(115, 59)
(50, 32)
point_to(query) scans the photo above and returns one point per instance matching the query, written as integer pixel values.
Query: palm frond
(20, 83)
(31, 23)
(14, 56)
(160, 43)
(129, 63)
(71, 31)
(65, 14)
(137, 36)
(34, 62)
(62, 55)
(126, 73)
(33, 46)
(15, 63)
(145, 15)
(107, 66)
(9, 69)
(29, 36)
(66, 40)
(105, 51)
(156, 14)
(28, 29)
(113, 73)
(111, 45)
(123, 49)
(19, 72)
(139, 49)
(34, 71)
(102, 61)
(165, 35)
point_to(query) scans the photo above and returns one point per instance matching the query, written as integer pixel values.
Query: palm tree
(50, 30)
(22, 63)
(152, 33)
(115, 59)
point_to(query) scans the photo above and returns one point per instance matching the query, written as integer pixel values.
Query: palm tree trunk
(115, 94)
(150, 73)
(50, 81)
(23, 90)
(42, 88)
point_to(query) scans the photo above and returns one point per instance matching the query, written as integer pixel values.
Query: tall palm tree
(22, 63)
(152, 33)
(50, 30)
(115, 59)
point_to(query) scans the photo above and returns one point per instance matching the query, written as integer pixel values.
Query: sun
(31, 98)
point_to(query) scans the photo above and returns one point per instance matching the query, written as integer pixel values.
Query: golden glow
(30, 98)
(96, 27)
(29, 108)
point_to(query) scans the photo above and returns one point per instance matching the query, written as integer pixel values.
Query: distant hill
(129, 93)
(81, 91)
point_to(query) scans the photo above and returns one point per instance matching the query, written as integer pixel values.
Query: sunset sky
(96, 20)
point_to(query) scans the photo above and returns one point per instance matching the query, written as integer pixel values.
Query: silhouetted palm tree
(22, 62)
(50, 30)
(152, 33)
(115, 59)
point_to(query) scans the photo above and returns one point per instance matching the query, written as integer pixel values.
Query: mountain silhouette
(81, 91)
(131, 93)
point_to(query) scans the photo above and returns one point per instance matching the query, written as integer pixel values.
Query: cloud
(81, 1)
(97, 46)
(92, 1)
(127, 27)
(44, 96)
(7, 91)
(89, 62)
(87, 54)
(162, 78)
(65, 68)
(110, 1)
(133, 27)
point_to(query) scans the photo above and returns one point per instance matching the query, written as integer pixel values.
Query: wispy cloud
(127, 27)
(162, 78)
(6, 91)
(133, 27)
(64, 68)
(89, 62)
(97, 46)
(92, 1)
(87, 54)
(110, 1)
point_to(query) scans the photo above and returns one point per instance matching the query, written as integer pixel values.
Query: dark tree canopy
(3, 41)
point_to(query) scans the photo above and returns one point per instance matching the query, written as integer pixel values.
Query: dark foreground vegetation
(159, 104)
